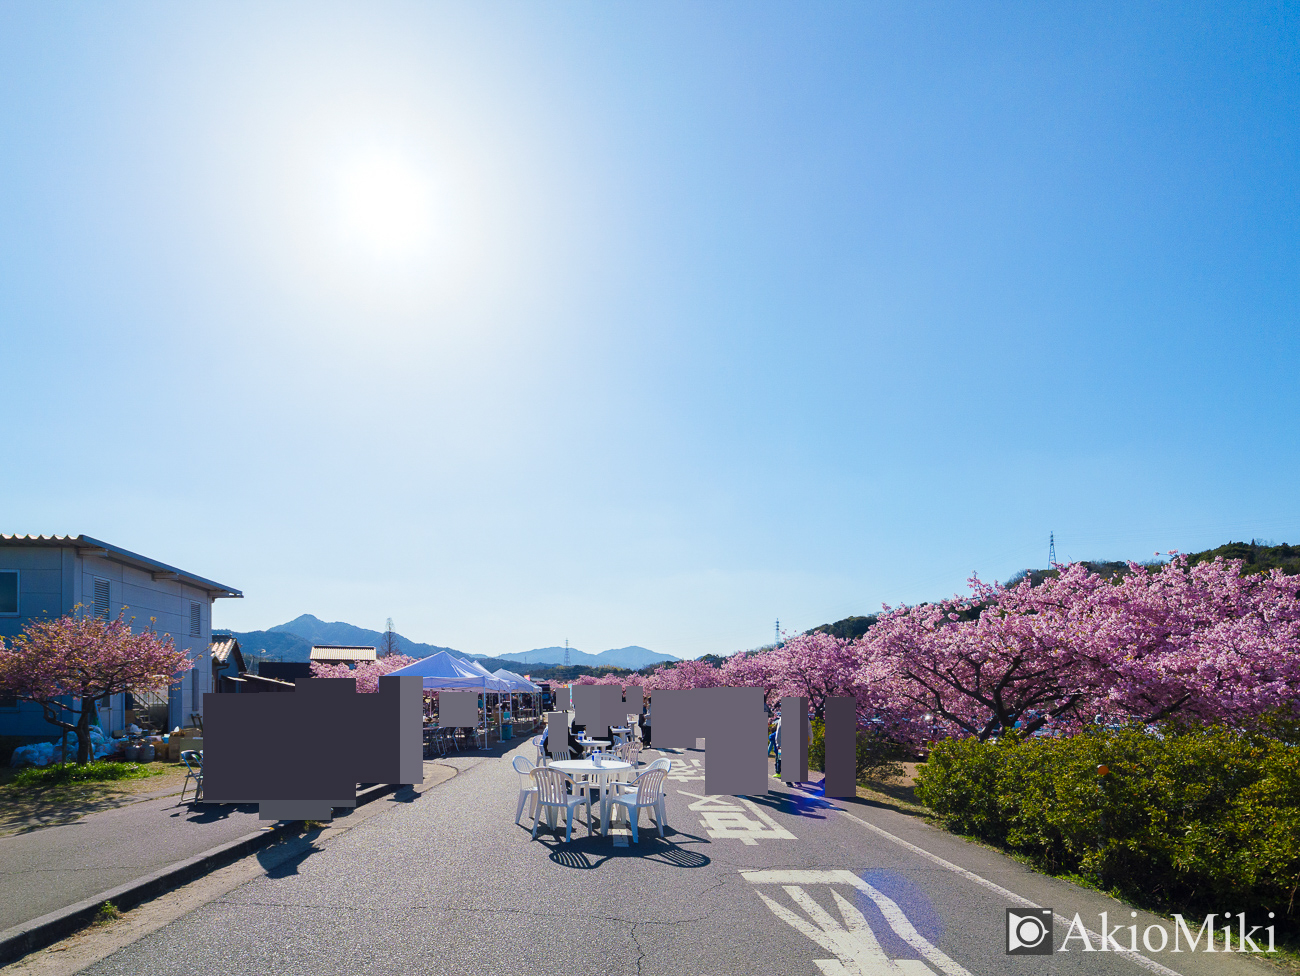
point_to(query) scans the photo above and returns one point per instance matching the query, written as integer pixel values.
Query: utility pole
(1051, 549)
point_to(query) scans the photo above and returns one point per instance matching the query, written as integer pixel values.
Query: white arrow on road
(857, 951)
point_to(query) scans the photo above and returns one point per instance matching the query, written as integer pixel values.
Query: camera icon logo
(1031, 934)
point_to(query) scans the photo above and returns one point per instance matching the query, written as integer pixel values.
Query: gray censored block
(457, 709)
(735, 760)
(586, 705)
(633, 700)
(794, 740)
(557, 732)
(297, 756)
(611, 710)
(678, 720)
(734, 726)
(841, 747)
(562, 701)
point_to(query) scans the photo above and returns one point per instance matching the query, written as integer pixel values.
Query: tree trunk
(83, 730)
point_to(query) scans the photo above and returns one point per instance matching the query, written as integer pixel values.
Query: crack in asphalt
(640, 952)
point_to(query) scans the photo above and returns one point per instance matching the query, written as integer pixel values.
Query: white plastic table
(601, 774)
(589, 744)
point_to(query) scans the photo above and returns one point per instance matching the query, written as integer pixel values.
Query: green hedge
(1198, 817)
(878, 757)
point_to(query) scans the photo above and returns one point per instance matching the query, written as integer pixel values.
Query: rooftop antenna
(566, 652)
(1051, 549)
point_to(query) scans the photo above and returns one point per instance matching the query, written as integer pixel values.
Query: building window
(196, 625)
(101, 598)
(9, 593)
(8, 699)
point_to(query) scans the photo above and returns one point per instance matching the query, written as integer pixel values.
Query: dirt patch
(895, 792)
(32, 809)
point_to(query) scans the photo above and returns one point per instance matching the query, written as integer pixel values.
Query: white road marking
(856, 949)
(686, 770)
(725, 819)
(1134, 957)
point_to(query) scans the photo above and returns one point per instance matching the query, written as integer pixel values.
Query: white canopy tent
(518, 685)
(446, 672)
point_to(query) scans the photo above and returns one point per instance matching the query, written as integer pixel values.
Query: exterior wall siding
(54, 581)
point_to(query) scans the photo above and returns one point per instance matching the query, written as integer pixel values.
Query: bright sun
(385, 205)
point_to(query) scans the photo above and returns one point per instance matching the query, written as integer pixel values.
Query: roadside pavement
(48, 868)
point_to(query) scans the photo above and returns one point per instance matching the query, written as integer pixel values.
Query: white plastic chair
(541, 751)
(527, 788)
(551, 794)
(644, 791)
(665, 764)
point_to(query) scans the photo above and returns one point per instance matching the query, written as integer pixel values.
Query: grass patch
(92, 772)
(108, 912)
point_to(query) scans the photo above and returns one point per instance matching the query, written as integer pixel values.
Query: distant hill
(632, 657)
(272, 646)
(1256, 557)
(293, 641)
(850, 628)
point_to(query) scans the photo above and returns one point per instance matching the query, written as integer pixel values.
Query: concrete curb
(48, 929)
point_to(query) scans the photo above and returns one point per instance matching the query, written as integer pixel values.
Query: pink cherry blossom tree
(367, 673)
(684, 675)
(1201, 641)
(83, 658)
(815, 666)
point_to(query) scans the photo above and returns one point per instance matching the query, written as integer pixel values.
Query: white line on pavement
(1135, 957)
(864, 960)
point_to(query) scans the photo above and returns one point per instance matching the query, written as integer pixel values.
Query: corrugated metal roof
(118, 554)
(343, 652)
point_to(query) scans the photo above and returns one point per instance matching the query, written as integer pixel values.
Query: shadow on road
(588, 853)
(282, 860)
(810, 806)
(205, 813)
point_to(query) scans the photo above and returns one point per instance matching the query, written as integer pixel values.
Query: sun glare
(385, 205)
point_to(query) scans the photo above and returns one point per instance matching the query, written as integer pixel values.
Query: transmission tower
(566, 652)
(1051, 549)
(777, 630)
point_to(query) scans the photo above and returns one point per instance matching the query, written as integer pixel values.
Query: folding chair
(193, 761)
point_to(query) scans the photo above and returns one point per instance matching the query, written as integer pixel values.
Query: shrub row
(1186, 818)
(878, 757)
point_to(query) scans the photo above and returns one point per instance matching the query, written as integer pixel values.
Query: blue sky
(645, 323)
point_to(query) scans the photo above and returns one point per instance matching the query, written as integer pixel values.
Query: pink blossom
(367, 673)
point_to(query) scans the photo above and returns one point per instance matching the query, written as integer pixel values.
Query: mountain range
(293, 641)
(633, 657)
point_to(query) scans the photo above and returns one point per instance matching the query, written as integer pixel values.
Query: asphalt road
(780, 884)
(47, 869)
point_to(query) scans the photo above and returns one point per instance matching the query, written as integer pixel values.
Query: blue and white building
(43, 577)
